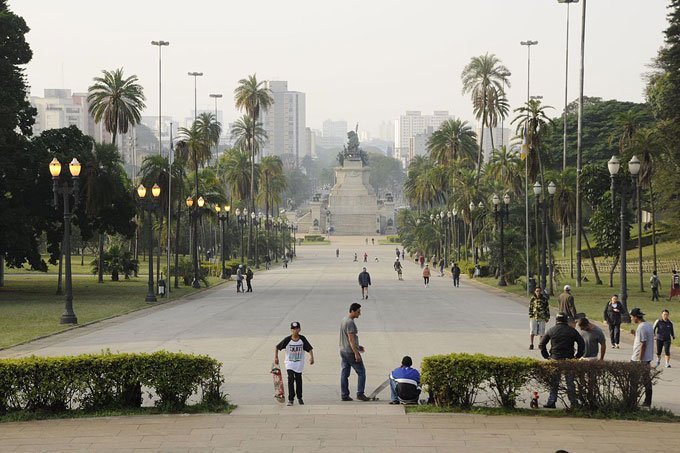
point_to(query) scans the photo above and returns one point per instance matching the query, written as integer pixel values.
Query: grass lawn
(30, 309)
(86, 267)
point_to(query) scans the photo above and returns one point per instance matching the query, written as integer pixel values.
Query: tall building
(333, 134)
(285, 124)
(501, 137)
(411, 124)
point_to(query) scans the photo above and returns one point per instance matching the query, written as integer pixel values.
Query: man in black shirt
(562, 338)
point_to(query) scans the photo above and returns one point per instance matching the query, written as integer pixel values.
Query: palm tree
(504, 168)
(627, 123)
(236, 173)
(484, 78)
(533, 123)
(116, 100)
(209, 128)
(454, 140)
(272, 183)
(248, 134)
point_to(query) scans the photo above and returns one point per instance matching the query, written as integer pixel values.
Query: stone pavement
(363, 427)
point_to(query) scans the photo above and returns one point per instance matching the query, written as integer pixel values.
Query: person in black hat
(643, 348)
(295, 345)
(562, 338)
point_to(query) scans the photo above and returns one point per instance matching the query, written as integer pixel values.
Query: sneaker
(362, 397)
(531, 346)
(549, 406)
(658, 362)
(394, 402)
(289, 403)
(347, 398)
(668, 365)
(300, 402)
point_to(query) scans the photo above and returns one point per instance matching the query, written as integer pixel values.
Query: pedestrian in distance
(655, 284)
(239, 279)
(337, 253)
(267, 262)
(612, 317)
(566, 303)
(397, 251)
(364, 283)
(426, 275)
(398, 268)
(441, 267)
(675, 285)
(365, 257)
(355, 257)
(405, 383)
(366, 241)
(562, 338)
(539, 315)
(295, 346)
(663, 334)
(455, 274)
(422, 260)
(249, 279)
(372, 241)
(643, 348)
(350, 355)
(594, 340)
(402, 254)
(285, 261)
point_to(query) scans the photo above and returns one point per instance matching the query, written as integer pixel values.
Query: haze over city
(365, 62)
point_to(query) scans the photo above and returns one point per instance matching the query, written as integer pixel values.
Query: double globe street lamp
(241, 219)
(544, 206)
(149, 204)
(501, 216)
(195, 213)
(223, 217)
(66, 190)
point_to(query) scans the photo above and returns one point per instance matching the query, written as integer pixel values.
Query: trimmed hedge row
(458, 380)
(108, 381)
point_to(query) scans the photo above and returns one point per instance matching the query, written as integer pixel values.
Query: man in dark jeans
(612, 316)
(455, 273)
(364, 282)
(350, 355)
(562, 338)
(643, 348)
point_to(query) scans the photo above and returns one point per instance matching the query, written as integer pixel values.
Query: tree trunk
(82, 255)
(611, 272)
(481, 151)
(2, 270)
(598, 280)
(651, 196)
(100, 274)
(60, 290)
(179, 215)
(160, 249)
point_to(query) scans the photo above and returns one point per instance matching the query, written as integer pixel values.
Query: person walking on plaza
(398, 268)
(239, 279)
(675, 285)
(422, 260)
(249, 278)
(397, 251)
(337, 253)
(355, 257)
(663, 334)
(402, 254)
(612, 316)
(539, 315)
(365, 257)
(655, 284)
(455, 274)
(594, 339)
(405, 383)
(562, 338)
(566, 303)
(441, 267)
(426, 275)
(372, 241)
(643, 348)
(350, 355)
(295, 345)
(364, 282)
(285, 261)
(267, 262)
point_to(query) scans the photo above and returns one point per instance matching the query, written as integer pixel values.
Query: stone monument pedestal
(352, 203)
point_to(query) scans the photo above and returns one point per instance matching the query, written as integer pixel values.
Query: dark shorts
(663, 345)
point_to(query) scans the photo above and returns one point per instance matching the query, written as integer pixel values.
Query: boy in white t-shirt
(295, 345)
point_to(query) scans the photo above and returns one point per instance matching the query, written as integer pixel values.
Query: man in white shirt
(643, 348)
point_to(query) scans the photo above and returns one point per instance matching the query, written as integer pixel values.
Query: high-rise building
(501, 137)
(285, 124)
(411, 124)
(334, 134)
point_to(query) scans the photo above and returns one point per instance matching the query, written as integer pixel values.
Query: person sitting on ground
(405, 383)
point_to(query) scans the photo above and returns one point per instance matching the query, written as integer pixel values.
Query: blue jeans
(347, 361)
(393, 390)
(571, 388)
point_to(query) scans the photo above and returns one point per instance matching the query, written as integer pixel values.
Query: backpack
(676, 281)
(654, 281)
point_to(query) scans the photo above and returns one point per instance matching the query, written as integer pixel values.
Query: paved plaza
(399, 318)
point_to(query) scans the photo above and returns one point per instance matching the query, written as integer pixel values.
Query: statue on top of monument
(352, 151)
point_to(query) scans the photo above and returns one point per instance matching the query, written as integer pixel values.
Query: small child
(663, 333)
(295, 345)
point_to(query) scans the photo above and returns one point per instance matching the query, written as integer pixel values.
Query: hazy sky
(365, 61)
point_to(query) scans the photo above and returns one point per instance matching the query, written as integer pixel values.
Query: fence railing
(604, 265)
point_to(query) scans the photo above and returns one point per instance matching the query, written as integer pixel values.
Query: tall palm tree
(533, 122)
(248, 134)
(272, 183)
(236, 173)
(116, 100)
(483, 78)
(504, 168)
(454, 140)
(209, 128)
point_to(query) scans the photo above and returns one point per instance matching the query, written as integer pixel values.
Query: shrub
(186, 270)
(107, 381)
(314, 238)
(116, 262)
(393, 238)
(606, 387)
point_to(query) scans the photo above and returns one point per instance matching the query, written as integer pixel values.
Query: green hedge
(458, 380)
(314, 238)
(108, 381)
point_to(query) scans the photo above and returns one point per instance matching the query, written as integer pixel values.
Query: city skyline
(365, 70)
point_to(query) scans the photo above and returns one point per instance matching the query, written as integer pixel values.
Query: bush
(186, 270)
(457, 380)
(393, 238)
(314, 238)
(107, 381)
(116, 262)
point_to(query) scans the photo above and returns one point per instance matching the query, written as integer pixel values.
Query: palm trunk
(611, 272)
(481, 152)
(2, 270)
(598, 280)
(100, 271)
(651, 195)
(179, 215)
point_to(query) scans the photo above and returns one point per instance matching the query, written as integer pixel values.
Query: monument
(352, 207)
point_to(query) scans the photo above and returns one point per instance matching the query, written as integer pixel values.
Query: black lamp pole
(149, 204)
(69, 316)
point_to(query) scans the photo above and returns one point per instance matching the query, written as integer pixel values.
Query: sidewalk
(338, 428)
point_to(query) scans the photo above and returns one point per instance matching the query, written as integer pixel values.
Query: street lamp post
(241, 220)
(255, 221)
(216, 96)
(295, 228)
(223, 217)
(454, 211)
(552, 188)
(579, 135)
(634, 168)
(528, 44)
(501, 217)
(195, 75)
(69, 316)
(150, 205)
(195, 213)
(160, 45)
(538, 190)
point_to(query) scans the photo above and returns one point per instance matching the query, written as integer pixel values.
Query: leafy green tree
(386, 173)
(117, 101)
(484, 78)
